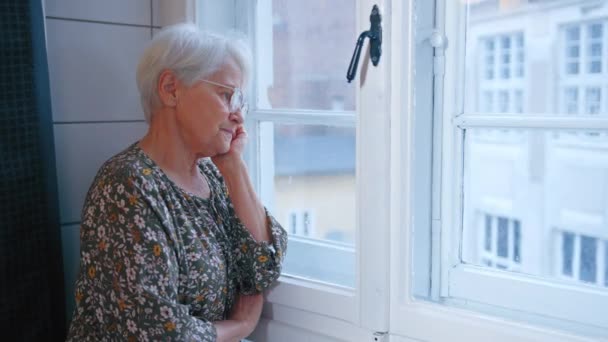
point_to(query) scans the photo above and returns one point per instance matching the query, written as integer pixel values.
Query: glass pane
(314, 191)
(529, 63)
(503, 238)
(535, 202)
(588, 259)
(488, 239)
(516, 241)
(304, 56)
(567, 253)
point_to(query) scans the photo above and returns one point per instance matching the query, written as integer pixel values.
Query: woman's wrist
(229, 165)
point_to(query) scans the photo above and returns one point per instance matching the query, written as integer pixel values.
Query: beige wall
(331, 197)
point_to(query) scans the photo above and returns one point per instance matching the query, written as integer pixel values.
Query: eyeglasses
(237, 100)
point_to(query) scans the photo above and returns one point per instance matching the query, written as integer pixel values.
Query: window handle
(375, 40)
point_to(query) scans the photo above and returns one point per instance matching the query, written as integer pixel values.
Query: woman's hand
(237, 146)
(243, 319)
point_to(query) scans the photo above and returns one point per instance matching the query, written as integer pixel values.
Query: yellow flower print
(146, 171)
(244, 248)
(157, 250)
(113, 217)
(169, 326)
(102, 245)
(262, 258)
(132, 199)
(92, 272)
(121, 304)
(78, 296)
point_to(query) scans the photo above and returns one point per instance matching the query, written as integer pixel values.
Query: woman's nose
(237, 117)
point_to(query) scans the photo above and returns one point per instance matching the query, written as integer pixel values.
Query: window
(581, 258)
(525, 173)
(583, 68)
(501, 238)
(501, 73)
(301, 223)
(305, 119)
(318, 151)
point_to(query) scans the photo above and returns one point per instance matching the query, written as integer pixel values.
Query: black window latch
(375, 40)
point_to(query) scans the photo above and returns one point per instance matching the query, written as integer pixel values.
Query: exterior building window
(583, 81)
(301, 223)
(502, 74)
(501, 242)
(583, 258)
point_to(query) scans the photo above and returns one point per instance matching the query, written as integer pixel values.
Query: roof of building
(315, 155)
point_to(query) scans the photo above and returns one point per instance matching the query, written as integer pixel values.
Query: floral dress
(159, 263)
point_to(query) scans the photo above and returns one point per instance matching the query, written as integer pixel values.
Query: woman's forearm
(246, 203)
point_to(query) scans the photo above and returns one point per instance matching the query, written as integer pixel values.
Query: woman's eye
(226, 96)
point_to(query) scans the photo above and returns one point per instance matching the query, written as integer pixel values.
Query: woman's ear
(167, 88)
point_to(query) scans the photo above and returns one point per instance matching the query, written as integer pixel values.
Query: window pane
(488, 236)
(567, 253)
(304, 57)
(314, 185)
(516, 241)
(503, 237)
(535, 201)
(588, 266)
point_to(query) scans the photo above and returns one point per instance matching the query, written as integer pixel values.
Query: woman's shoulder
(126, 165)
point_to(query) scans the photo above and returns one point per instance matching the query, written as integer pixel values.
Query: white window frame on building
(301, 222)
(583, 74)
(501, 79)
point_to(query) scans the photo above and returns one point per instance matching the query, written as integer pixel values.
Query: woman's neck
(166, 147)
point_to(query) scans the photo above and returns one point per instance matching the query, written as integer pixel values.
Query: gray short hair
(192, 54)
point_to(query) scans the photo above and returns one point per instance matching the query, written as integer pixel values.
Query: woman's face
(202, 112)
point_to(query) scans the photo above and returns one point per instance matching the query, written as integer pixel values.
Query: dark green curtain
(31, 275)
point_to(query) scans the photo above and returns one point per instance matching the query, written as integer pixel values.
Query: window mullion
(308, 117)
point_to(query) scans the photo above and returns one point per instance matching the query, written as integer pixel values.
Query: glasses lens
(236, 101)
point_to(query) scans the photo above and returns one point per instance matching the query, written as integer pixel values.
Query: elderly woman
(176, 245)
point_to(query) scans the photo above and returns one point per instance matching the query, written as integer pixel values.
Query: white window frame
(429, 321)
(497, 85)
(344, 313)
(583, 80)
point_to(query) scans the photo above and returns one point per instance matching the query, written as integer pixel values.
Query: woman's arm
(246, 203)
(242, 322)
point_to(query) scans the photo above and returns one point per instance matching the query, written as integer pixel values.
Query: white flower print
(101, 231)
(120, 189)
(139, 221)
(165, 312)
(86, 258)
(131, 326)
(131, 274)
(99, 314)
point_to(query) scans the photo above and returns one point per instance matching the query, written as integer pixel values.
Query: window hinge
(438, 41)
(436, 38)
(380, 336)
